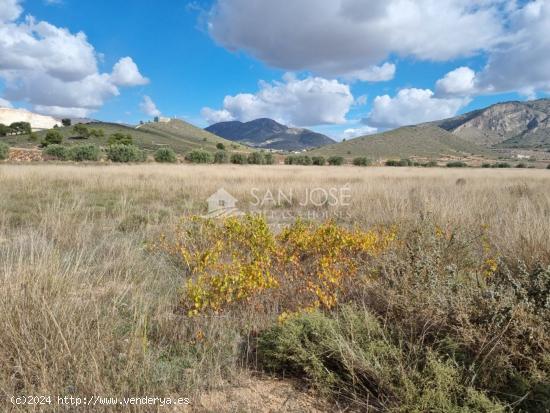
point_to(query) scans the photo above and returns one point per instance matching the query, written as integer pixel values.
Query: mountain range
(267, 134)
(503, 126)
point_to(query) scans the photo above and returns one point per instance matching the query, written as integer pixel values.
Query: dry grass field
(454, 315)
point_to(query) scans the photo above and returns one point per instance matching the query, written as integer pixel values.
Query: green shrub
(81, 130)
(199, 156)
(81, 153)
(318, 160)
(298, 160)
(335, 160)
(56, 151)
(269, 159)
(238, 159)
(221, 157)
(503, 165)
(4, 151)
(362, 161)
(121, 139)
(392, 162)
(53, 137)
(256, 158)
(406, 162)
(97, 133)
(456, 164)
(486, 165)
(220, 146)
(166, 155)
(521, 165)
(125, 153)
(351, 355)
(548, 167)
(4, 130)
(431, 164)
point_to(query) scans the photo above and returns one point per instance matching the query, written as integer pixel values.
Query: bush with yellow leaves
(239, 259)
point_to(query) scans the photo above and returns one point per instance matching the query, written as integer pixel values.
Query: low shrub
(52, 137)
(298, 160)
(456, 164)
(165, 155)
(238, 159)
(335, 160)
(269, 159)
(392, 162)
(121, 139)
(486, 165)
(548, 167)
(431, 164)
(362, 161)
(350, 355)
(521, 165)
(318, 160)
(81, 153)
(237, 261)
(256, 158)
(4, 151)
(221, 157)
(59, 152)
(406, 162)
(199, 156)
(220, 146)
(501, 165)
(125, 153)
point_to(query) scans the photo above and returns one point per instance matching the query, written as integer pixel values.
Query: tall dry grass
(88, 310)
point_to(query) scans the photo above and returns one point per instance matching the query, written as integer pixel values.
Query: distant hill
(427, 141)
(177, 134)
(523, 125)
(268, 134)
(38, 122)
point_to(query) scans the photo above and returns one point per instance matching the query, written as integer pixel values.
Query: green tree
(361, 161)
(21, 128)
(256, 158)
(335, 160)
(121, 139)
(125, 153)
(238, 159)
(66, 122)
(4, 130)
(81, 130)
(165, 155)
(199, 156)
(220, 146)
(56, 151)
(53, 137)
(221, 157)
(269, 159)
(319, 160)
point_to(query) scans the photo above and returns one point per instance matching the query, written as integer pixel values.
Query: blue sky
(321, 61)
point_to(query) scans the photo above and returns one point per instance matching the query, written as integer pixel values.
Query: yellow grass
(82, 299)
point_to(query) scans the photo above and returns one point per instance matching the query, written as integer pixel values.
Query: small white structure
(222, 203)
(164, 120)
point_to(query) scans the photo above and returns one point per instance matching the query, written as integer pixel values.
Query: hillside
(426, 141)
(523, 125)
(179, 135)
(267, 134)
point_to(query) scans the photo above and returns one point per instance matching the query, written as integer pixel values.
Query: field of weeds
(426, 290)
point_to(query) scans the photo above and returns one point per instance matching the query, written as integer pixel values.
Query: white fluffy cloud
(299, 102)
(53, 69)
(374, 73)
(346, 37)
(460, 82)
(126, 73)
(9, 10)
(521, 63)
(5, 103)
(412, 106)
(359, 131)
(149, 107)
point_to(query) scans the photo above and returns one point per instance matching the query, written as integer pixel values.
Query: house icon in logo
(222, 203)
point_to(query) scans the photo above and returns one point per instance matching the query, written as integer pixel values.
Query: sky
(341, 67)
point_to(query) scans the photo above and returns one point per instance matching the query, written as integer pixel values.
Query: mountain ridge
(266, 133)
